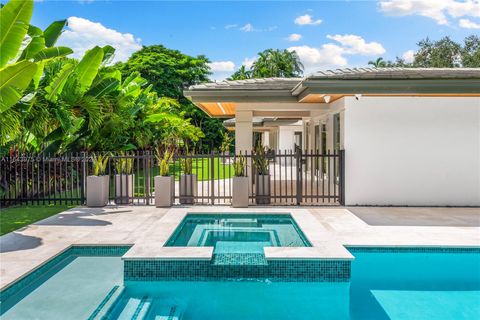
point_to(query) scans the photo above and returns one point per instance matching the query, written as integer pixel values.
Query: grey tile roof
(341, 74)
(250, 84)
(396, 73)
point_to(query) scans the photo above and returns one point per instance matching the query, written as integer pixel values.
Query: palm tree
(378, 63)
(241, 74)
(277, 63)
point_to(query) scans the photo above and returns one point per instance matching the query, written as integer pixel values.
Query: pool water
(71, 290)
(385, 284)
(239, 233)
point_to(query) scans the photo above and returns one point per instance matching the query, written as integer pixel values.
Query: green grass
(14, 218)
(201, 167)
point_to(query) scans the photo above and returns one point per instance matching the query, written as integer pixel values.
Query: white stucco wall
(286, 137)
(412, 151)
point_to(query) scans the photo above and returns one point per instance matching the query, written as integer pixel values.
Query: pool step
(165, 312)
(239, 259)
(102, 310)
(135, 309)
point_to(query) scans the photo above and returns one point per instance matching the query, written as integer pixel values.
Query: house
(411, 136)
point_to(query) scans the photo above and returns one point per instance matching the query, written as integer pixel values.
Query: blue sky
(326, 34)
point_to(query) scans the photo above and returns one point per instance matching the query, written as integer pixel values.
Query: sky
(325, 34)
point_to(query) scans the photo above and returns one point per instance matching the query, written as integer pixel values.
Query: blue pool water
(385, 284)
(239, 233)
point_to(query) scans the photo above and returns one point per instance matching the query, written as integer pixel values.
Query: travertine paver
(149, 227)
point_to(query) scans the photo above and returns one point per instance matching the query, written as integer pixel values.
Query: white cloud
(294, 37)
(248, 62)
(230, 26)
(468, 24)
(353, 44)
(222, 66)
(327, 56)
(408, 56)
(434, 9)
(83, 34)
(307, 20)
(331, 55)
(248, 28)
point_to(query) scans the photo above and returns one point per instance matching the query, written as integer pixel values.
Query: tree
(272, 63)
(378, 63)
(24, 51)
(471, 52)
(241, 74)
(277, 63)
(444, 53)
(170, 71)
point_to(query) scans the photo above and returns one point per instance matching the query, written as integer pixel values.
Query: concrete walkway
(30, 247)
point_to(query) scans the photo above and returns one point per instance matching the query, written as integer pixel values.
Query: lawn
(14, 218)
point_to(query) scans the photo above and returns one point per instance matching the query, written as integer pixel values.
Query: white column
(243, 131)
(266, 139)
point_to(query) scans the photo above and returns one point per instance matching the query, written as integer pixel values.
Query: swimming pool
(386, 283)
(238, 233)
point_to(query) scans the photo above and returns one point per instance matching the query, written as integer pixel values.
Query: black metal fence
(292, 178)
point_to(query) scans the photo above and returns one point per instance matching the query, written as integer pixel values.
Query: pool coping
(153, 247)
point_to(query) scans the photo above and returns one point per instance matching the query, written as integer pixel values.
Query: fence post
(341, 182)
(212, 177)
(83, 180)
(298, 160)
(147, 169)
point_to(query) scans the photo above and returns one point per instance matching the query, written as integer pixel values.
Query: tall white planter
(262, 189)
(188, 188)
(240, 192)
(97, 191)
(164, 187)
(124, 185)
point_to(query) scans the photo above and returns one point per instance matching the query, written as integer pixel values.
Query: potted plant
(188, 180)
(97, 184)
(225, 146)
(124, 179)
(164, 183)
(240, 183)
(262, 182)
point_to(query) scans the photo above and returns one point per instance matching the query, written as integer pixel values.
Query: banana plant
(24, 50)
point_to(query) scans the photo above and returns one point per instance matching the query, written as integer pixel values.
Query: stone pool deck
(147, 228)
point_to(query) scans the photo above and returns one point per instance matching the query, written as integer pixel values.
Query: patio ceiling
(294, 95)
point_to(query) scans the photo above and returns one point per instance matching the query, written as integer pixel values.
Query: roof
(397, 73)
(342, 74)
(250, 84)
(221, 99)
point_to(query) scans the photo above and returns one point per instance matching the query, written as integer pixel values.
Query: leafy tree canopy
(170, 71)
(443, 53)
(50, 103)
(272, 63)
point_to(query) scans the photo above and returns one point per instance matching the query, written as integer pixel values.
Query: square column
(243, 131)
(266, 139)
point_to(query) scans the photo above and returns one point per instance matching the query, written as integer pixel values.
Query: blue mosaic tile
(204, 270)
(42, 273)
(239, 259)
(474, 250)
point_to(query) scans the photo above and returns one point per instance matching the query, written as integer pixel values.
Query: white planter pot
(188, 188)
(124, 185)
(240, 192)
(262, 189)
(97, 191)
(164, 187)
